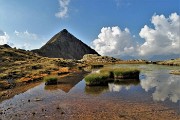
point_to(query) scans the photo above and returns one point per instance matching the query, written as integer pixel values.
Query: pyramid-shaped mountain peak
(63, 35)
(64, 31)
(65, 45)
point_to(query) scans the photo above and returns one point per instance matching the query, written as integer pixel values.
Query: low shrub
(37, 66)
(4, 85)
(50, 80)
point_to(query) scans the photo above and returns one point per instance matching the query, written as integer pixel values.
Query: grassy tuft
(96, 78)
(50, 80)
(108, 74)
(126, 73)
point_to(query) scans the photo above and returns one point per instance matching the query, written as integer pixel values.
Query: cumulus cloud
(63, 10)
(114, 42)
(4, 37)
(164, 39)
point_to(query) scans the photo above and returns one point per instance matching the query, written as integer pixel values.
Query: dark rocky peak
(62, 36)
(65, 45)
(64, 31)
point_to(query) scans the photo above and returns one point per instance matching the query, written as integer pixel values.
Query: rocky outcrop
(4, 46)
(65, 45)
(95, 58)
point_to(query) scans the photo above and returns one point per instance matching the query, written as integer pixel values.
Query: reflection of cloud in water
(126, 84)
(128, 87)
(166, 87)
(114, 88)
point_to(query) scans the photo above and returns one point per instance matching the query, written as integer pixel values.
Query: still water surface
(156, 90)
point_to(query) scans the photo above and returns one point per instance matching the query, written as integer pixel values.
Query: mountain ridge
(64, 45)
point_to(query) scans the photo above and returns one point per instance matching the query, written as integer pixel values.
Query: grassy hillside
(20, 66)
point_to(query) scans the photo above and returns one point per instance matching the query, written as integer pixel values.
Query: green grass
(126, 73)
(96, 78)
(50, 80)
(121, 72)
(108, 74)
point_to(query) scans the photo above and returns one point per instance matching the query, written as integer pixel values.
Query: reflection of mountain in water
(166, 86)
(67, 83)
(112, 87)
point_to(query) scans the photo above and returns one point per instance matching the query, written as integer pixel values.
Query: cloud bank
(63, 10)
(163, 39)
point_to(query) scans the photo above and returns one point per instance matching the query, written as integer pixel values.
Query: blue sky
(29, 24)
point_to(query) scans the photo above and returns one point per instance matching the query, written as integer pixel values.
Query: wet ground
(156, 96)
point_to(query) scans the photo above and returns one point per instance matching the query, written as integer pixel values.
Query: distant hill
(64, 45)
(164, 57)
(8, 54)
(172, 62)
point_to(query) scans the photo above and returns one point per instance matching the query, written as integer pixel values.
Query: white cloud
(26, 40)
(4, 37)
(164, 39)
(63, 10)
(26, 35)
(114, 42)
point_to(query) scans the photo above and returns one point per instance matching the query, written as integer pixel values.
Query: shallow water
(155, 95)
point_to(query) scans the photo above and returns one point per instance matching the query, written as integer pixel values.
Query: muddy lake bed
(155, 96)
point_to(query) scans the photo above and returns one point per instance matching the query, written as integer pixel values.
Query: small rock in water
(38, 99)
(33, 113)
(1, 112)
(57, 107)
